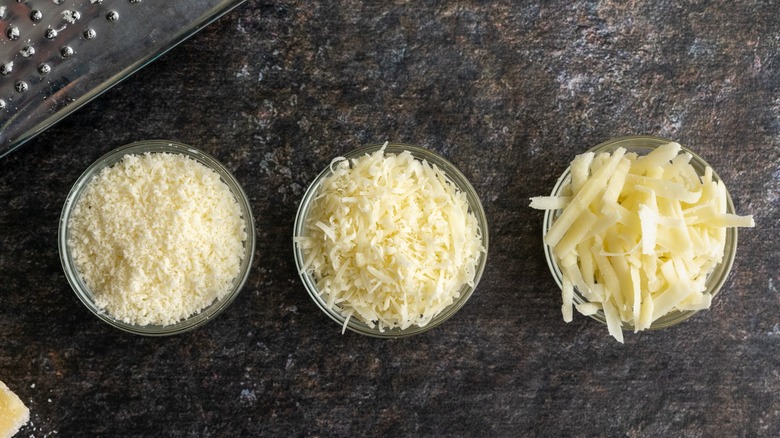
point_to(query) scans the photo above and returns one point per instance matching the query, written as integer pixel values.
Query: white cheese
(582, 199)
(390, 240)
(550, 202)
(13, 413)
(157, 237)
(638, 236)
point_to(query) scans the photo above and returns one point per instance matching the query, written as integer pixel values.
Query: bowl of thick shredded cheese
(639, 233)
(390, 240)
(156, 238)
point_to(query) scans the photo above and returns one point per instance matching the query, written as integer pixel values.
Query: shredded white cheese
(157, 237)
(390, 240)
(638, 235)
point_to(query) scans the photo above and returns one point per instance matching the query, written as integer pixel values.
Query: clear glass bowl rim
(645, 143)
(112, 157)
(475, 206)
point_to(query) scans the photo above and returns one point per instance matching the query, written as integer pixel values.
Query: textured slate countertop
(507, 91)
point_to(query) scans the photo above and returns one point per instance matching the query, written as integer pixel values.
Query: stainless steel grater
(57, 55)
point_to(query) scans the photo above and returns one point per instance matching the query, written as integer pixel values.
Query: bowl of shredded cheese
(639, 233)
(156, 238)
(390, 240)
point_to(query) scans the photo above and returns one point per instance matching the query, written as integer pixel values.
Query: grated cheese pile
(638, 235)
(157, 237)
(13, 413)
(391, 240)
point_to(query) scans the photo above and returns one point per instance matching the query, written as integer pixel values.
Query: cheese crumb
(391, 240)
(638, 235)
(157, 238)
(13, 413)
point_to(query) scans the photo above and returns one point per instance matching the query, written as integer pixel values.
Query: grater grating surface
(57, 55)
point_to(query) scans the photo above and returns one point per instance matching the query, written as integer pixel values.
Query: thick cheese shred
(637, 236)
(390, 240)
(157, 237)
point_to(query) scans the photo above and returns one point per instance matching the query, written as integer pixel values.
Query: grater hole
(6, 68)
(2, 104)
(112, 16)
(36, 15)
(50, 34)
(13, 33)
(44, 69)
(66, 51)
(89, 34)
(21, 86)
(27, 51)
(71, 16)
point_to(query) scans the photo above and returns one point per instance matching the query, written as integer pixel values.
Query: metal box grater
(57, 55)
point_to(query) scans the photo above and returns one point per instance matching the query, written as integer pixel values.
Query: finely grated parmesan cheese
(157, 238)
(638, 235)
(390, 240)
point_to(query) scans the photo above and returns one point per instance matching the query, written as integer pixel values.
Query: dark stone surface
(509, 92)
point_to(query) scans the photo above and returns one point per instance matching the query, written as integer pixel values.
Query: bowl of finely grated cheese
(639, 233)
(156, 238)
(390, 240)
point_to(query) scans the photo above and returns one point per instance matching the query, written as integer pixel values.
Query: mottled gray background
(508, 91)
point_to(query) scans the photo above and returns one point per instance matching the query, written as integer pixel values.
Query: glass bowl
(642, 145)
(83, 291)
(475, 207)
